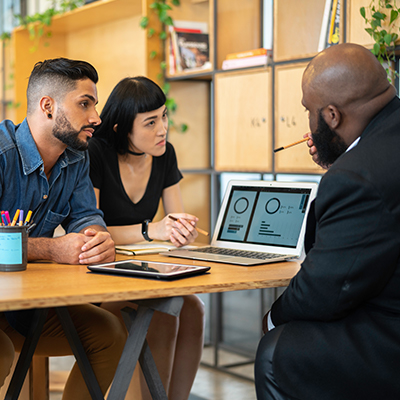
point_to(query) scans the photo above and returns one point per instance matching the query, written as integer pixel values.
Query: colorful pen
(28, 217)
(14, 221)
(3, 217)
(21, 218)
(7, 217)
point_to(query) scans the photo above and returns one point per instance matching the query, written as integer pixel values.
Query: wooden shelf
(94, 14)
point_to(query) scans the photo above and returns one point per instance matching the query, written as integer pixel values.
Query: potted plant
(382, 18)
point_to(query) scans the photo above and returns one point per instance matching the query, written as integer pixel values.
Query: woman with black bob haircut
(132, 167)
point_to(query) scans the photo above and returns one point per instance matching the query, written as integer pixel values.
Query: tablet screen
(148, 269)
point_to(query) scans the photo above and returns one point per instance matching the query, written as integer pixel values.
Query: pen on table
(28, 217)
(14, 221)
(203, 232)
(21, 218)
(291, 144)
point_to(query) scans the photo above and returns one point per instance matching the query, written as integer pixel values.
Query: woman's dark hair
(129, 97)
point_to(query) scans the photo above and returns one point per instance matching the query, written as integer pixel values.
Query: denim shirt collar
(30, 156)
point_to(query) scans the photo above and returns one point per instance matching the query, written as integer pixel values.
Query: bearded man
(335, 332)
(44, 167)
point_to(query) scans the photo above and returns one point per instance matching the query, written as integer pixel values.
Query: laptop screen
(271, 216)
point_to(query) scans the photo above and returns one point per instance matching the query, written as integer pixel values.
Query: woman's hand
(180, 232)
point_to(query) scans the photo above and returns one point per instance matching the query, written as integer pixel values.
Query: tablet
(149, 269)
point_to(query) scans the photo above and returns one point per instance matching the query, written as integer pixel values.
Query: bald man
(335, 332)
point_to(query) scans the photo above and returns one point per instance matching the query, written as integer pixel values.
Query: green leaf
(375, 23)
(378, 15)
(153, 55)
(184, 128)
(5, 36)
(393, 16)
(162, 35)
(362, 12)
(166, 88)
(376, 49)
(176, 3)
(171, 105)
(150, 32)
(144, 22)
(163, 15)
(388, 39)
(163, 65)
(168, 21)
(370, 31)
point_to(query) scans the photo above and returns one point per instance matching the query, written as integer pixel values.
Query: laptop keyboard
(238, 253)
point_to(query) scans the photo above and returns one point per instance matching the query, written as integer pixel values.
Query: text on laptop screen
(268, 216)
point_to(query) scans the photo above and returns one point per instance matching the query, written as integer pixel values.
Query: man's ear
(115, 128)
(46, 105)
(332, 116)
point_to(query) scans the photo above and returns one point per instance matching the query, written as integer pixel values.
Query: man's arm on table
(93, 244)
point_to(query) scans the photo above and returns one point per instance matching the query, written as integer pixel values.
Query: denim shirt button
(45, 197)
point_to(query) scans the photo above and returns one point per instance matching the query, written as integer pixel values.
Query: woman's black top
(116, 205)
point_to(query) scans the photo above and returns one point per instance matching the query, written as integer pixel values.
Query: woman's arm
(180, 232)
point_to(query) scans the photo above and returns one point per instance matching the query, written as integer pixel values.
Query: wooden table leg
(79, 353)
(25, 357)
(136, 347)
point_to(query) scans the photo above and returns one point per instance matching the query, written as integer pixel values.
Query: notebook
(259, 222)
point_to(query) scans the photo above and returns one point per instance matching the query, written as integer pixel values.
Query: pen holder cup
(13, 248)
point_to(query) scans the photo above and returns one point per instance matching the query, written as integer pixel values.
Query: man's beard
(64, 132)
(328, 143)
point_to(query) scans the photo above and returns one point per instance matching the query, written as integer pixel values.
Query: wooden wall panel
(291, 122)
(193, 146)
(238, 27)
(297, 28)
(125, 54)
(196, 199)
(243, 120)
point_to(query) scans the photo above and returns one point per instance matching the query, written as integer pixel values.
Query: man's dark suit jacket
(341, 312)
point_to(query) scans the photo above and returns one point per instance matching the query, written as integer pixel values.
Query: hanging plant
(161, 8)
(37, 23)
(382, 17)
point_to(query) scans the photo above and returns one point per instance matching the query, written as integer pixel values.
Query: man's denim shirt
(67, 198)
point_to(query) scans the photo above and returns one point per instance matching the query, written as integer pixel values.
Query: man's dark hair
(129, 97)
(57, 77)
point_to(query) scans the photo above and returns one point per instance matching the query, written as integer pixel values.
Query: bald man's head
(344, 87)
(345, 74)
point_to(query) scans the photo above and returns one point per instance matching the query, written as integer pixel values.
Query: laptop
(259, 222)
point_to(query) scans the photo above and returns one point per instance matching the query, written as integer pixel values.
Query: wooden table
(44, 285)
(52, 285)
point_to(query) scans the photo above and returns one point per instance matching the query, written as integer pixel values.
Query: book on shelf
(189, 48)
(247, 53)
(244, 62)
(330, 27)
